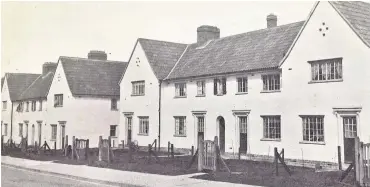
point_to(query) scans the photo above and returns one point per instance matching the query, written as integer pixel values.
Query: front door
(62, 135)
(349, 132)
(243, 134)
(221, 123)
(129, 129)
(33, 135)
(200, 137)
(39, 133)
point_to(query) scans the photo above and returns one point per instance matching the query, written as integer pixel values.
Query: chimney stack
(97, 55)
(206, 33)
(48, 67)
(271, 20)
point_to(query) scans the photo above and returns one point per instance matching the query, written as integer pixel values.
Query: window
(271, 127)
(27, 106)
(58, 100)
(313, 128)
(20, 107)
(33, 106)
(243, 124)
(219, 86)
(143, 125)
(201, 88)
(113, 130)
(326, 70)
(180, 126)
(40, 105)
(20, 128)
(200, 123)
(242, 85)
(271, 82)
(350, 127)
(180, 89)
(138, 88)
(5, 129)
(53, 132)
(113, 104)
(4, 105)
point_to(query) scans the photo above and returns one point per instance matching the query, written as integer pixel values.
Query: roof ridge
(95, 60)
(21, 95)
(10, 73)
(162, 41)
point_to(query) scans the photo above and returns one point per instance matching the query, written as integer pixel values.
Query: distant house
(13, 85)
(83, 99)
(300, 86)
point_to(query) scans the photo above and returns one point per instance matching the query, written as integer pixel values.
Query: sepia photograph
(185, 93)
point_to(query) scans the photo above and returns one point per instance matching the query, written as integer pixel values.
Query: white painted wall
(146, 105)
(6, 114)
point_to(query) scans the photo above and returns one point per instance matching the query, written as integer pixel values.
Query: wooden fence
(362, 163)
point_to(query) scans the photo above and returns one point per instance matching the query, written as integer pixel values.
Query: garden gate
(207, 157)
(362, 163)
(80, 148)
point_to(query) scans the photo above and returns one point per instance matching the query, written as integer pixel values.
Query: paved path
(113, 177)
(13, 177)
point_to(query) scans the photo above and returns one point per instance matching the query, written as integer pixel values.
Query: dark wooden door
(349, 134)
(243, 134)
(200, 138)
(33, 135)
(222, 134)
(129, 129)
(39, 144)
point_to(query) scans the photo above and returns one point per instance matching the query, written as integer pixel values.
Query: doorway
(129, 129)
(349, 135)
(39, 133)
(243, 134)
(33, 135)
(221, 127)
(200, 124)
(62, 135)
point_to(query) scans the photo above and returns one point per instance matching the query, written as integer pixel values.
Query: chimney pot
(97, 55)
(206, 33)
(48, 67)
(271, 20)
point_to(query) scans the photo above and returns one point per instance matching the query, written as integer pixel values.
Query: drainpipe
(159, 116)
(11, 124)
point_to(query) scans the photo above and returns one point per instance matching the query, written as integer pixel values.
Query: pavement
(106, 176)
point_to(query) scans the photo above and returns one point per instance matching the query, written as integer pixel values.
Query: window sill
(142, 134)
(113, 136)
(59, 106)
(175, 135)
(241, 93)
(220, 94)
(307, 142)
(134, 95)
(200, 95)
(325, 81)
(113, 109)
(270, 91)
(176, 97)
(271, 139)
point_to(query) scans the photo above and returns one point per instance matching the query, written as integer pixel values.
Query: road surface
(13, 177)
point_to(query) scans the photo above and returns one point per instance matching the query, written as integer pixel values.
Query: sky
(33, 33)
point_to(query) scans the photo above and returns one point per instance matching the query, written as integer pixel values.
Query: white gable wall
(6, 114)
(146, 105)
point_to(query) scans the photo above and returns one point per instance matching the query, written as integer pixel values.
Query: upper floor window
(143, 125)
(180, 126)
(326, 70)
(40, 105)
(113, 130)
(313, 128)
(271, 127)
(242, 84)
(113, 104)
(53, 132)
(138, 88)
(4, 105)
(58, 100)
(271, 82)
(20, 107)
(201, 88)
(27, 106)
(33, 106)
(180, 89)
(219, 86)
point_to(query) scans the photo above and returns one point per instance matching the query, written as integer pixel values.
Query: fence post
(109, 147)
(149, 151)
(339, 158)
(200, 154)
(239, 153)
(2, 143)
(192, 150)
(87, 149)
(55, 147)
(168, 149)
(172, 152)
(44, 146)
(283, 155)
(100, 147)
(276, 161)
(66, 146)
(73, 147)
(155, 148)
(123, 144)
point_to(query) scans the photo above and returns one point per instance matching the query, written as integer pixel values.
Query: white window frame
(5, 103)
(271, 82)
(143, 125)
(27, 106)
(221, 86)
(201, 88)
(243, 124)
(53, 133)
(271, 127)
(58, 100)
(40, 105)
(138, 88)
(180, 121)
(242, 84)
(180, 89)
(201, 124)
(326, 70)
(33, 106)
(314, 124)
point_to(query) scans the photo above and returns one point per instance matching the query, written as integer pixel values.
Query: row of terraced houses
(302, 86)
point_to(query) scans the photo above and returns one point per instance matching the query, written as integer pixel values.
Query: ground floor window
(113, 130)
(5, 129)
(313, 128)
(350, 126)
(53, 132)
(243, 124)
(200, 123)
(271, 127)
(180, 126)
(143, 125)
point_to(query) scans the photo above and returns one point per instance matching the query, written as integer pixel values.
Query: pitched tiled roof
(19, 82)
(162, 55)
(358, 15)
(88, 77)
(39, 88)
(254, 50)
